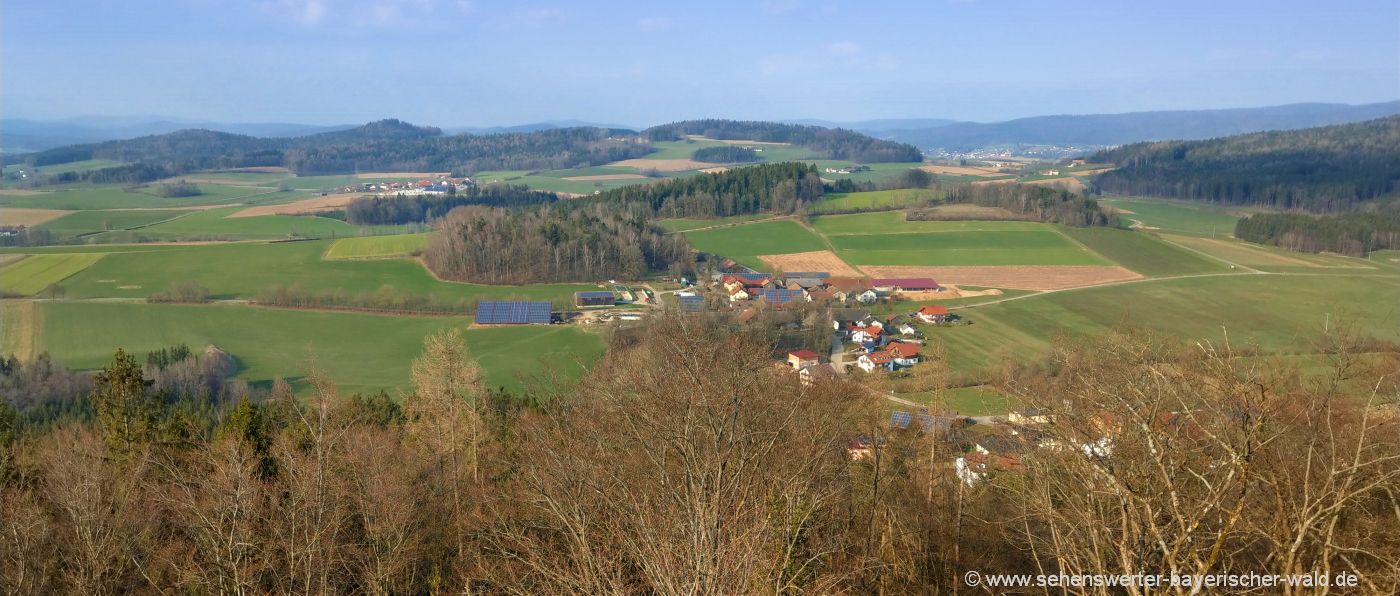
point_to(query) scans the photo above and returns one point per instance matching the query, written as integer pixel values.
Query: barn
(598, 298)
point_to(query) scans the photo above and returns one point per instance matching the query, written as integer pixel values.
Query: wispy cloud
(845, 48)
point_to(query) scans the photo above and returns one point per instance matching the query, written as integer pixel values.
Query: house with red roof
(881, 359)
(800, 359)
(934, 314)
(905, 354)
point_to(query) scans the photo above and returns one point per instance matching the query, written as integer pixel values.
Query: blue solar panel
(691, 303)
(752, 276)
(599, 294)
(490, 312)
(780, 296)
(811, 274)
(900, 419)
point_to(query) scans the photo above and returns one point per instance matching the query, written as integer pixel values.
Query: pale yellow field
(20, 216)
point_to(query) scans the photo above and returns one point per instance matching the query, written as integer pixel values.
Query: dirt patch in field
(1118, 210)
(22, 216)
(606, 177)
(1071, 183)
(372, 175)
(817, 260)
(1020, 277)
(664, 165)
(997, 181)
(1089, 172)
(19, 192)
(128, 287)
(7, 259)
(960, 170)
(18, 321)
(950, 291)
(312, 205)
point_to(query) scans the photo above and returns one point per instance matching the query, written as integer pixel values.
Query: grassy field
(242, 270)
(216, 223)
(84, 197)
(879, 172)
(376, 247)
(1142, 252)
(1045, 246)
(888, 222)
(32, 274)
(1275, 312)
(745, 243)
(360, 352)
(1179, 217)
(1271, 258)
(877, 199)
(89, 222)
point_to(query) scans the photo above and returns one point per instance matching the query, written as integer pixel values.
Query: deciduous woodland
(779, 187)
(499, 246)
(1352, 234)
(1035, 202)
(684, 463)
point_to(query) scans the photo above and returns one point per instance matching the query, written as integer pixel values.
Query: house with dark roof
(594, 298)
(778, 298)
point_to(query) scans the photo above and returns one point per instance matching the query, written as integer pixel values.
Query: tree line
(685, 463)
(725, 154)
(1323, 170)
(778, 187)
(828, 143)
(1353, 234)
(1036, 203)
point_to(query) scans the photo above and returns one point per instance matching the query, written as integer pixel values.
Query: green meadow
(872, 200)
(1143, 253)
(1273, 312)
(745, 243)
(376, 247)
(241, 270)
(360, 352)
(682, 224)
(216, 223)
(31, 274)
(89, 222)
(1178, 217)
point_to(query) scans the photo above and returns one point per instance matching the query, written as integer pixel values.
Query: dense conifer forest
(1323, 170)
(829, 143)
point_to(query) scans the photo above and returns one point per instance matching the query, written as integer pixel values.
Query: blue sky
(472, 62)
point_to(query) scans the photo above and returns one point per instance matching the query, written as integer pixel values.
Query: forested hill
(1119, 129)
(1326, 169)
(387, 145)
(782, 187)
(829, 143)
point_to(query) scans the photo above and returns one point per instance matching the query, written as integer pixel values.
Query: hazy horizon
(458, 64)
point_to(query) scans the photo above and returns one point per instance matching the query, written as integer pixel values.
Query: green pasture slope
(91, 222)
(684, 224)
(876, 199)
(1178, 217)
(360, 352)
(887, 239)
(376, 247)
(1274, 312)
(31, 274)
(1142, 252)
(241, 270)
(216, 223)
(745, 243)
(86, 197)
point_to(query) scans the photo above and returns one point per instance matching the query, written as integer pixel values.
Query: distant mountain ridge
(21, 135)
(1121, 129)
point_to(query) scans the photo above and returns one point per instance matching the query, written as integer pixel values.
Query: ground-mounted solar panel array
(691, 303)
(493, 312)
(780, 296)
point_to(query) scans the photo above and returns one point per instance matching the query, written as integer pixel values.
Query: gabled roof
(903, 350)
(848, 284)
(933, 310)
(804, 354)
(816, 274)
(805, 282)
(881, 357)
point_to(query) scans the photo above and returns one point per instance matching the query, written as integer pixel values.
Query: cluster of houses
(817, 286)
(441, 186)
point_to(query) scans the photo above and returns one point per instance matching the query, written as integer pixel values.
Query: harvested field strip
(605, 177)
(962, 170)
(21, 216)
(32, 274)
(1032, 277)
(17, 328)
(312, 205)
(817, 260)
(664, 165)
